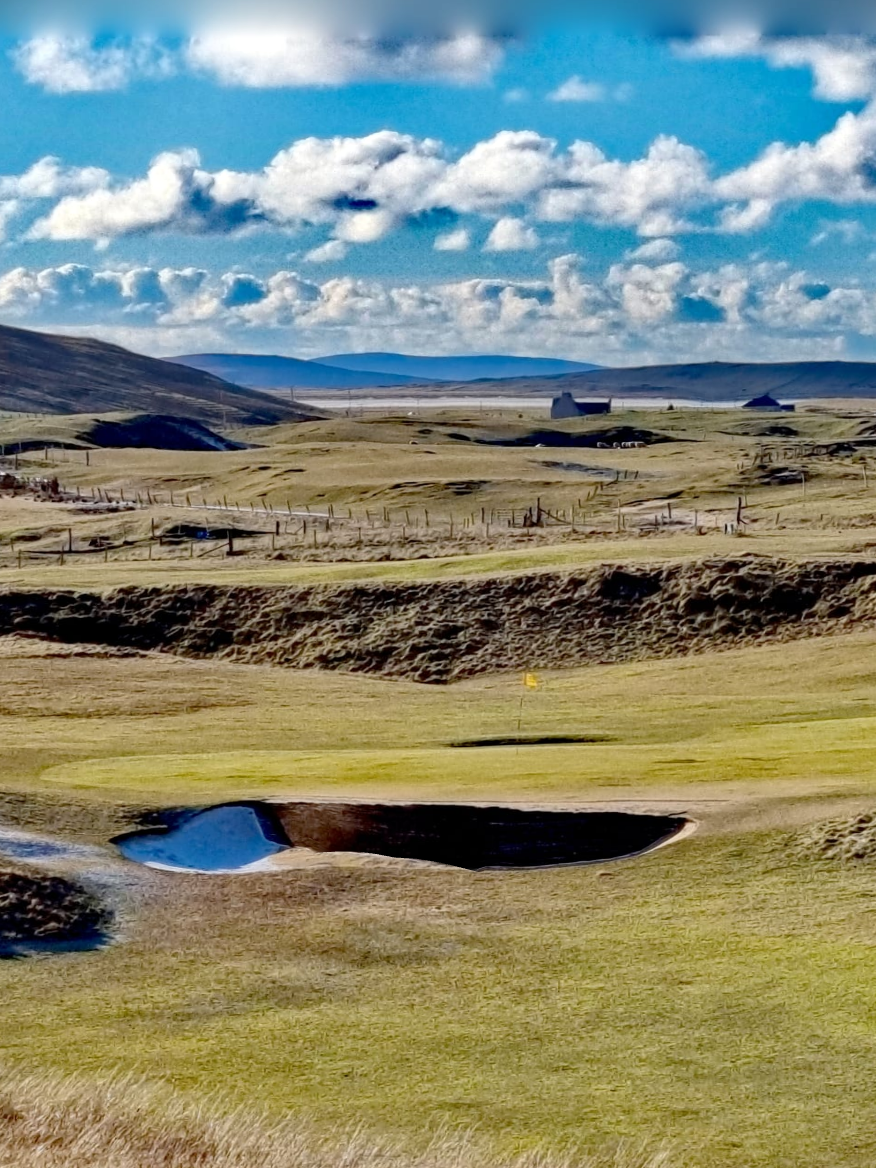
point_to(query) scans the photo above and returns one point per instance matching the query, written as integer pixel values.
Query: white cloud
(647, 294)
(508, 168)
(836, 168)
(266, 57)
(256, 56)
(364, 189)
(458, 240)
(844, 66)
(50, 179)
(364, 226)
(318, 180)
(655, 250)
(331, 252)
(510, 234)
(651, 194)
(633, 313)
(61, 63)
(516, 96)
(175, 194)
(577, 89)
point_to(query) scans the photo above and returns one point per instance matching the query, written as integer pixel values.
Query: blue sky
(576, 191)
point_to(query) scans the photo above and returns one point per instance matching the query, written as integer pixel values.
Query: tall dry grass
(48, 1122)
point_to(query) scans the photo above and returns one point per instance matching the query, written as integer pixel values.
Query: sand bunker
(533, 740)
(245, 837)
(474, 837)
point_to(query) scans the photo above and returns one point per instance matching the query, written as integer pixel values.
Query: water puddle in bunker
(253, 837)
(232, 838)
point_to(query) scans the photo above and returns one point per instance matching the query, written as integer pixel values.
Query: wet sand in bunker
(255, 836)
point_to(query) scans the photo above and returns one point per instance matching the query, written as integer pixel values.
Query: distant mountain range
(40, 373)
(454, 368)
(706, 382)
(370, 370)
(284, 372)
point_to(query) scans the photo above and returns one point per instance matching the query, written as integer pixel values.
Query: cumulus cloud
(175, 194)
(330, 252)
(837, 168)
(506, 169)
(458, 240)
(511, 234)
(62, 63)
(577, 89)
(256, 56)
(363, 189)
(50, 179)
(651, 194)
(268, 57)
(844, 67)
(655, 250)
(633, 312)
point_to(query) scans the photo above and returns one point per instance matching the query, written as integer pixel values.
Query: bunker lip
(251, 837)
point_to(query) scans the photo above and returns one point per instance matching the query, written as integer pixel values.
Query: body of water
(417, 404)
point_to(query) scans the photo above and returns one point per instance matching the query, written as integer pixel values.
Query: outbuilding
(767, 402)
(565, 406)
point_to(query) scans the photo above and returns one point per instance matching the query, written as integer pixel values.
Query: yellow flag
(530, 681)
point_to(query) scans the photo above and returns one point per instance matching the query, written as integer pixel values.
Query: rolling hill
(264, 373)
(41, 373)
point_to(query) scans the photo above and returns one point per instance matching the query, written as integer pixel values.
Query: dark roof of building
(765, 402)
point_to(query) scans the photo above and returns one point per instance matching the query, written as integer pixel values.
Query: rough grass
(846, 839)
(437, 463)
(48, 1122)
(448, 631)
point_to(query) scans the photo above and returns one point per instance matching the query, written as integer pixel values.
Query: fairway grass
(776, 719)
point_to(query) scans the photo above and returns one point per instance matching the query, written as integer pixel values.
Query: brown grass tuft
(839, 839)
(47, 1122)
(37, 907)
